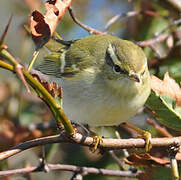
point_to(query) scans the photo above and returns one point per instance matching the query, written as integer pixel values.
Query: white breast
(89, 102)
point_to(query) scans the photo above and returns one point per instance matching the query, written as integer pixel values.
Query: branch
(58, 113)
(129, 14)
(77, 138)
(87, 28)
(161, 36)
(161, 129)
(154, 40)
(77, 169)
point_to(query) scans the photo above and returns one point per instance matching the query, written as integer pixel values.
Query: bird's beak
(135, 77)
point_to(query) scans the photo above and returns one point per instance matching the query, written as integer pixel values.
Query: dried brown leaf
(12, 135)
(52, 87)
(40, 31)
(167, 86)
(43, 26)
(145, 159)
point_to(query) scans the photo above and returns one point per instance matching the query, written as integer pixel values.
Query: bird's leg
(141, 134)
(96, 138)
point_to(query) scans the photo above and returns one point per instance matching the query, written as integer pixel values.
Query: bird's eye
(117, 68)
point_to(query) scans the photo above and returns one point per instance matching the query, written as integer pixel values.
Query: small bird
(105, 79)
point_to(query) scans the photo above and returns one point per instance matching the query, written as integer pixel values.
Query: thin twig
(107, 144)
(117, 160)
(125, 152)
(173, 23)
(35, 54)
(154, 40)
(161, 129)
(129, 14)
(64, 167)
(161, 36)
(87, 28)
(121, 17)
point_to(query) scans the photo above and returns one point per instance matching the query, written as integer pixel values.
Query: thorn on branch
(2, 46)
(18, 70)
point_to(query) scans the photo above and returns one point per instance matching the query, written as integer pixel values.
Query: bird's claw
(141, 134)
(147, 137)
(97, 140)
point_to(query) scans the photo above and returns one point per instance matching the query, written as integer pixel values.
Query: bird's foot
(141, 134)
(97, 140)
(147, 137)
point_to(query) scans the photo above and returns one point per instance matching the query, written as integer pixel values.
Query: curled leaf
(40, 30)
(52, 88)
(145, 159)
(43, 26)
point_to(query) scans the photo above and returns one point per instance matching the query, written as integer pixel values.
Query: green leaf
(166, 110)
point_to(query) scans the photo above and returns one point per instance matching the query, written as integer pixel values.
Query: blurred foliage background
(23, 116)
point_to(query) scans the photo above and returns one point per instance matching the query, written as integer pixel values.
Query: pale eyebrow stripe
(112, 54)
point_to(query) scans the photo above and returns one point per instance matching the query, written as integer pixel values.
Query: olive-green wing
(50, 65)
(65, 63)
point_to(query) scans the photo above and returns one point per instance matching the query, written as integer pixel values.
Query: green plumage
(90, 52)
(105, 79)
